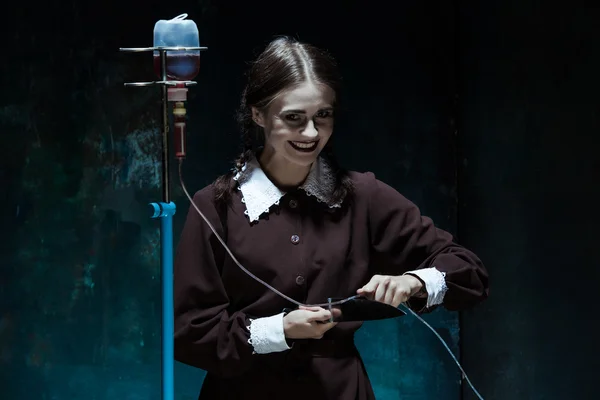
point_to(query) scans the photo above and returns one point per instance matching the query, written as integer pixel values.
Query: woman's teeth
(305, 145)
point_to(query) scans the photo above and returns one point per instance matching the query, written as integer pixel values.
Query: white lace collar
(259, 194)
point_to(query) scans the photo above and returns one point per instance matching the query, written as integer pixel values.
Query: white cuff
(435, 284)
(266, 334)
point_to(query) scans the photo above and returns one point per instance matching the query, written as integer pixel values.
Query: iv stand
(165, 211)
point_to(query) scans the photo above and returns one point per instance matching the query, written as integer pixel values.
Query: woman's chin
(304, 160)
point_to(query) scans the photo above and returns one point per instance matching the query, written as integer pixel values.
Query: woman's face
(298, 123)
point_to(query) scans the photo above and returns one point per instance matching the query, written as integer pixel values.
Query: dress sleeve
(207, 334)
(405, 242)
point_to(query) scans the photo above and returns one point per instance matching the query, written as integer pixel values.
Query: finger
(390, 293)
(381, 289)
(371, 287)
(310, 308)
(369, 291)
(399, 297)
(322, 315)
(368, 295)
(336, 313)
(322, 328)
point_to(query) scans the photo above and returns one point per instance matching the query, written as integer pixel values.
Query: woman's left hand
(392, 290)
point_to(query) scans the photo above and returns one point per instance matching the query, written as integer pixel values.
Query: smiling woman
(310, 229)
(287, 111)
(297, 125)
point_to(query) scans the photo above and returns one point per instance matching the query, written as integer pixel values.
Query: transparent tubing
(212, 228)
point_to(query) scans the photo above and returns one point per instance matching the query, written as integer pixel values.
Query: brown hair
(283, 64)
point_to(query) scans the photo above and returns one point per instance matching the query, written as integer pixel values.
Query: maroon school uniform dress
(309, 248)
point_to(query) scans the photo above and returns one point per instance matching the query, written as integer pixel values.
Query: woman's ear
(257, 117)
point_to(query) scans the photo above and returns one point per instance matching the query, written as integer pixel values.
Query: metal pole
(165, 211)
(168, 361)
(165, 133)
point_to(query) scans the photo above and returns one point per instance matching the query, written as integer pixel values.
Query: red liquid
(180, 67)
(179, 140)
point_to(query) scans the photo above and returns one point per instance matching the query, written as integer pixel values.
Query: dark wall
(79, 279)
(79, 159)
(529, 195)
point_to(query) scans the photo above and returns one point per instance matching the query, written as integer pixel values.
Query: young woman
(310, 229)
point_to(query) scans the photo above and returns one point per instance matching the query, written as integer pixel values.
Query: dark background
(483, 113)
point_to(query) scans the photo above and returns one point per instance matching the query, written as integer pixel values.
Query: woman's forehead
(305, 97)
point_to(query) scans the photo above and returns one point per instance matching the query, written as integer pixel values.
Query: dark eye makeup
(298, 115)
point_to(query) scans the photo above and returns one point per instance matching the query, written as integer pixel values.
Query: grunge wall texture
(486, 116)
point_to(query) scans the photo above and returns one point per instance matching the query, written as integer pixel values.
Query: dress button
(293, 203)
(300, 280)
(295, 239)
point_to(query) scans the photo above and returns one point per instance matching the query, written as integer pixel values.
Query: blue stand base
(165, 212)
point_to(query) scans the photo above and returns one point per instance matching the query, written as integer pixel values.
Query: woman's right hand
(307, 323)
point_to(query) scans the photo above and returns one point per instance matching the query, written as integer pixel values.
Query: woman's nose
(310, 130)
